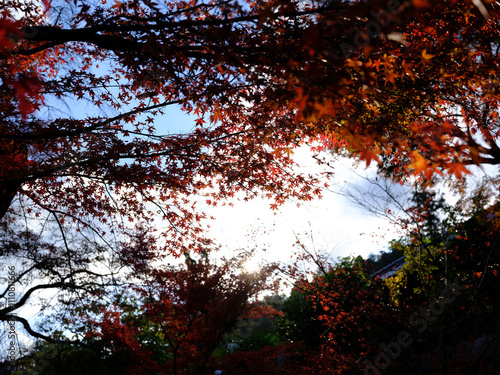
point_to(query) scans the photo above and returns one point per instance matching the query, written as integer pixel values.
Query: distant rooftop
(390, 269)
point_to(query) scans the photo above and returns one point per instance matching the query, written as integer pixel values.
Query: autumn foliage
(438, 313)
(88, 144)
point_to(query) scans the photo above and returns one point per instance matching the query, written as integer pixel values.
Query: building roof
(390, 269)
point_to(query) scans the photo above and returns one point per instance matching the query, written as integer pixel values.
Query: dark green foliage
(300, 321)
(264, 335)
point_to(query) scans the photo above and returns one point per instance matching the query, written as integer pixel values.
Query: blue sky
(334, 224)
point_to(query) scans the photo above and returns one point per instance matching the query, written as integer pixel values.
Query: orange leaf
(426, 56)
(419, 164)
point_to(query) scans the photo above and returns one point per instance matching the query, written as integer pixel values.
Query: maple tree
(123, 161)
(261, 78)
(352, 316)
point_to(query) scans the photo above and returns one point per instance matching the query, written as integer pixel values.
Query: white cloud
(331, 224)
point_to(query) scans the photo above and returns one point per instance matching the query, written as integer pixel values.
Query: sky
(332, 224)
(335, 224)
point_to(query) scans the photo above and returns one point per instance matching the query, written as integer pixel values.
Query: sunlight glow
(251, 266)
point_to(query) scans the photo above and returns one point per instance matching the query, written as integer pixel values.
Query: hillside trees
(437, 314)
(354, 315)
(448, 288)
